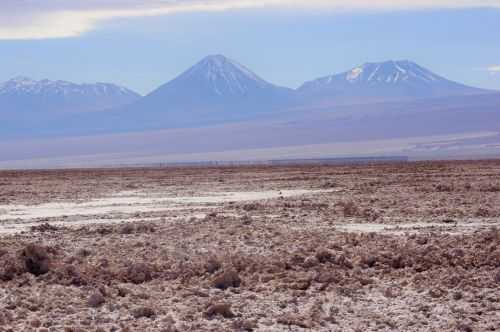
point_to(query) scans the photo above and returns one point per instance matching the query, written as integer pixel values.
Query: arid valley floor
(385, 247)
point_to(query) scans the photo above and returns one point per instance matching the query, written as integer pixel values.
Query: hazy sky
(144, 43)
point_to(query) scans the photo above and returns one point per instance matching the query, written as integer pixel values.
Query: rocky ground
(388, 247)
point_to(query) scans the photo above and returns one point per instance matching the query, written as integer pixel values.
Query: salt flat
(375, 247)
(122, 204)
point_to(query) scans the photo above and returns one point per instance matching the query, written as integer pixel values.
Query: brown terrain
(383, 247)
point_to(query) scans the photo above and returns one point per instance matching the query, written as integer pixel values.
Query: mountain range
(220, 89)
(24, 95)
(215, 91)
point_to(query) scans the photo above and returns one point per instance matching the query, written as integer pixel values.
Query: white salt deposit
(411, 227)
(20, 217)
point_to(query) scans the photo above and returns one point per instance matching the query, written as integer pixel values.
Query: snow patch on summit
(354, 74)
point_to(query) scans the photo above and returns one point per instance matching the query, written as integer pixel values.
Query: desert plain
(367, 247)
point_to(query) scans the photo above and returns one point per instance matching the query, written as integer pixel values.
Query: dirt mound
(226, 279)
(36, 259)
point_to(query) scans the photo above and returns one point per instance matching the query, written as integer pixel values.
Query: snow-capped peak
(24, 85)
(390, 72)
(389, 79)
(224, 76)
(22, 94)
(22, 79)
(17, 82)
(220, 65)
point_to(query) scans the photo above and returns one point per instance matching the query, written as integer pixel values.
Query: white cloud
(33, 19)
(494, 70)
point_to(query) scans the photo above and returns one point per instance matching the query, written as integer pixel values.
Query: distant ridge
(22, 94)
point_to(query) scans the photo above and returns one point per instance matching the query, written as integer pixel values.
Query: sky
(142, 44)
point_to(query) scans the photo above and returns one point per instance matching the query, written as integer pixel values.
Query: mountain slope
(21, 96)
(215, 89)
(397, 128)
(383, 81)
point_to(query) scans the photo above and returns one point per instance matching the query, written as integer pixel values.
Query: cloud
(34, 19)
(494, 70)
